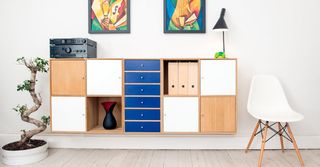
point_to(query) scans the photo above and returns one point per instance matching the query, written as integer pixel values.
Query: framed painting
(184, 16)
(109, 16)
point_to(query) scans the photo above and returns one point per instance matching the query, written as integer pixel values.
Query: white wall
(270, 36)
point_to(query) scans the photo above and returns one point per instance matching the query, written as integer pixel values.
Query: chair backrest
(266, 94)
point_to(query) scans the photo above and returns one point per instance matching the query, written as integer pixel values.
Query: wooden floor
(174, 158)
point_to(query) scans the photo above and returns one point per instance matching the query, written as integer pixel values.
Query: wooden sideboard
(154, 96)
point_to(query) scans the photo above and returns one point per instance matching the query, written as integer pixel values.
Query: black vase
(109, 122)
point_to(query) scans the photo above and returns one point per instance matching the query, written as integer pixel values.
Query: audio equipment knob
(84, 40)
(68, 50)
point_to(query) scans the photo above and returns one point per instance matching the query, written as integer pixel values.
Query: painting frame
(165, 25)
(90, 31)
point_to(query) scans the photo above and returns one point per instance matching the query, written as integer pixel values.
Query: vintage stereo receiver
(73, 48)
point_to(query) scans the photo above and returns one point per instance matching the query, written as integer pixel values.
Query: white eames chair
(267, 102)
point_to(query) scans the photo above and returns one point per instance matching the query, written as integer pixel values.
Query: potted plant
(28, 150)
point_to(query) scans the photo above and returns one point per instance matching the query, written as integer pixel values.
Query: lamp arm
(224, 50)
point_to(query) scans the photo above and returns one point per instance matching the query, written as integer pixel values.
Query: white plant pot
(23, 157)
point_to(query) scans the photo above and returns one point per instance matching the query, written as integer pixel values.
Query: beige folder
(173, 78)
(193, 78)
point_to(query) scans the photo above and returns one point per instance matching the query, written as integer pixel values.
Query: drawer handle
(141, 115)
(182, 86)
(192, 86)
(172, 86)
(141, 65)
(141, 102)
(141, 90)
(141, 127)
(141, 77)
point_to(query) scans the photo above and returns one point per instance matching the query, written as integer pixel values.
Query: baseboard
(162, 142)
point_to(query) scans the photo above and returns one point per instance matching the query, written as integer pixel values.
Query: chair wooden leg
(281, 138)
(252, 136)
(263, 142)
(295, 145)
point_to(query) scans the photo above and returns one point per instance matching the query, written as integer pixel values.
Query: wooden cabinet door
(218, 114)
(181, 114)
(68, 77)
(68, 114)
(193, 78)
(173, 80)
(218, 77)
(104, 77)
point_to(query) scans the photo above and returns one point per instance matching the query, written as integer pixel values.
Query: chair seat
(286, 115)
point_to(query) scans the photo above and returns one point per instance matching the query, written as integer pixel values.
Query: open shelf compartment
(181, 77)
(96, 114)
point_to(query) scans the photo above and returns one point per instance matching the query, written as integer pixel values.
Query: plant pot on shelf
(23, 157)
(220, 55)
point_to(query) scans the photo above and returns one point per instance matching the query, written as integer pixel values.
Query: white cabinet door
(218, 77)
(68, 114)
(181, 114)
(104, 77)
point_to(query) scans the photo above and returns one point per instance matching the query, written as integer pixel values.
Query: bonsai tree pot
(23, 157)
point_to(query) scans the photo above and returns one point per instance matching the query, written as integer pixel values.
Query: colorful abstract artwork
(184, 16)
(109, 16)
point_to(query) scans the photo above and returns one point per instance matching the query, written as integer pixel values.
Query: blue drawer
(142, 114)
(142, 89)
(142, 102)
(142, 126)
(142, 65)
(142, 77)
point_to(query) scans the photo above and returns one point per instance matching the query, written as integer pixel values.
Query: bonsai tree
(34, 65)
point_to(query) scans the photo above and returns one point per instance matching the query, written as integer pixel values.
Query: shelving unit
(154, 96)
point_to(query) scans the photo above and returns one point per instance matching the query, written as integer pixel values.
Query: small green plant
(220, 55)
(34, 65)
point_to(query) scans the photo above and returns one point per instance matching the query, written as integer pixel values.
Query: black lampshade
(221, 25)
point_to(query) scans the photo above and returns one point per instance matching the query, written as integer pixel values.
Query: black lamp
(221, 25)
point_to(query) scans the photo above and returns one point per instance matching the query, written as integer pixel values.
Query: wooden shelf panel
(100, 130)
(104, 95)
(143, 121)
(166, 95)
